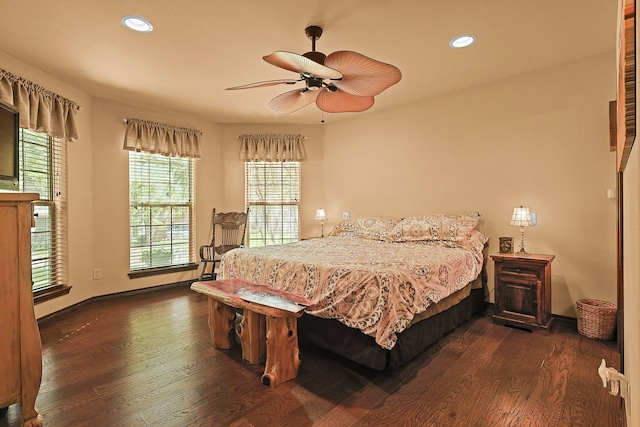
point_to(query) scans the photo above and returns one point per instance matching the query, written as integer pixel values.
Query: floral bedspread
(372, 285)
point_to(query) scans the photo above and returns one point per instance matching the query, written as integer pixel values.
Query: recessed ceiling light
(137, 23)
(462, 41)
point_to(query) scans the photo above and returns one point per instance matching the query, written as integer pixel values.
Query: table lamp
(521, 218)
(321, 216)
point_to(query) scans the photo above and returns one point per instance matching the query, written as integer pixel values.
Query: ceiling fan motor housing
(318, 57)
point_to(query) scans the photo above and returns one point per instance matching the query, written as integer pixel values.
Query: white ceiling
(200, 47)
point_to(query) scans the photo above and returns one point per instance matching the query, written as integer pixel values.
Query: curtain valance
(272, 148)
(159, 138)
(40, 109)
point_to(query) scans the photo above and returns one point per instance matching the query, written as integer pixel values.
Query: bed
(382, 290)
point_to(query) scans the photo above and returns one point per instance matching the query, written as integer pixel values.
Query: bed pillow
(476, 241)
(453, 228)
(371, 227)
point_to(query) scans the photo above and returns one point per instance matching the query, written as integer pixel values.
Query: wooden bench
(268, 331)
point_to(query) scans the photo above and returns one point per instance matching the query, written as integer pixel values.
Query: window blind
(161, 210)
(43, 171)
(273, 197)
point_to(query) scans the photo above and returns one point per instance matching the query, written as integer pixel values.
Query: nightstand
(523, 291)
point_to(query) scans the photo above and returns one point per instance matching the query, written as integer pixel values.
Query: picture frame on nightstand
(506, 245)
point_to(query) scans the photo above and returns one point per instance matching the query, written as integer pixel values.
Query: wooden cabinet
(20, 349)
(523, 291)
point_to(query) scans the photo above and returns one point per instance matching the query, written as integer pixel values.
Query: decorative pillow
(372, 228)
(454, 228)
(345, 228)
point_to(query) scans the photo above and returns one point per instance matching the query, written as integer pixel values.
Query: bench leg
(252, 334)
(221, 319)
(283, 355)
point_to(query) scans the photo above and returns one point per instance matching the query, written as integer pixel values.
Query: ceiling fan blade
(343, 102)
(362, 75)
(293, 100)
(300, 64)
(266, 83)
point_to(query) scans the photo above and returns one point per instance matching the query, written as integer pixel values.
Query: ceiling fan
(343, 81)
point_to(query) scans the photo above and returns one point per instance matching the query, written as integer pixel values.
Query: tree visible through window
(273, 196)
(42, 171)
(161, 209)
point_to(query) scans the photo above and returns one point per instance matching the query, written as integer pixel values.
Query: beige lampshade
(521, 217)
(321, 215)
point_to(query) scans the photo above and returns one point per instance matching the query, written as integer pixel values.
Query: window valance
(159, 138)
(40, 109)
(272, 148)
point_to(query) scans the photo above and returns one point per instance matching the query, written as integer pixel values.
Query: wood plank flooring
(147, 360)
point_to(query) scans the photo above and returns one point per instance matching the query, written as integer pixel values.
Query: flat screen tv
(9, 129)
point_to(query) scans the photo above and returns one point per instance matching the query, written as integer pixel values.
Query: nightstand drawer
(507, 275)
(520, 270)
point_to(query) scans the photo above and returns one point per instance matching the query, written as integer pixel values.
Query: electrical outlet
(346, 215)
(97, 274)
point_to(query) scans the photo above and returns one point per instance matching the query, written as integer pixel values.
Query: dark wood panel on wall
(626, 100)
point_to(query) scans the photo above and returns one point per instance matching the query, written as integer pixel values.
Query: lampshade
(320, 215)
(521, 217)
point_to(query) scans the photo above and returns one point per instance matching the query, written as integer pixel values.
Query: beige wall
(98, 190)
(102, 190)
(111, 191)
(539, 139)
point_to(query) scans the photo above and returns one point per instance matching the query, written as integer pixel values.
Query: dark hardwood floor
(147, 360)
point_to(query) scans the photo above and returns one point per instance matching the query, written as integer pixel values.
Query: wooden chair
(231, 231)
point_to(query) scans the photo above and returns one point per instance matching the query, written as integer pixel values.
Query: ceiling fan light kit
(342, 81)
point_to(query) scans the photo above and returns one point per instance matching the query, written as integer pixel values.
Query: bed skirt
(354, 345)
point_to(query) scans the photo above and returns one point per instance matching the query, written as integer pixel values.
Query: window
(43, 171)
(273, 195)
(160, 211)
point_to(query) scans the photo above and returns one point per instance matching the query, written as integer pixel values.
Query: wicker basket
(597, 319)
